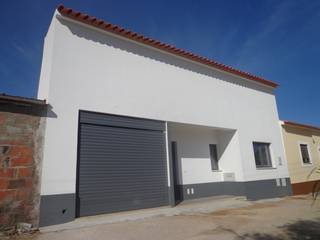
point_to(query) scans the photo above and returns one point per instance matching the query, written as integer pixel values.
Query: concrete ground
(227, 218)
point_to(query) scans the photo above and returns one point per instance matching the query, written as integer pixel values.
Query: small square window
(305, 153)
(214, 157)
(262, 154)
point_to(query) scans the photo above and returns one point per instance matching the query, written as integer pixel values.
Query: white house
(134, 123)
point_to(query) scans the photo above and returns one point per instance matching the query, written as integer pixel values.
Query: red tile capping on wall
(108, 27)
(300, 125)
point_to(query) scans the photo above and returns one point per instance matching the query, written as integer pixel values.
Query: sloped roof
(108, 27)
(300, 125)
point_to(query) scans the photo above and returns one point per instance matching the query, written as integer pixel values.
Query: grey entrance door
(121, 164)
(175, 169)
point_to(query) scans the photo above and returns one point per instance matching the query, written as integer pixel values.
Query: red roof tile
(86, 19)
(294, 124)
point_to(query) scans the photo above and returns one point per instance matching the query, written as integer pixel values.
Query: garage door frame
(112, 120)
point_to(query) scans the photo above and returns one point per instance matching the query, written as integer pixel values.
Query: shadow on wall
(131, 47)
(303, 229)
(193, 140)
(298, 131)
(224, 140)
(50, 113)
(200, 150)
(193, 152)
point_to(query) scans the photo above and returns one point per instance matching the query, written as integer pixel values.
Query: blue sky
(278, 40)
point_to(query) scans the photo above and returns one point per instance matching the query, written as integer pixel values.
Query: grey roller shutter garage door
(121, 164)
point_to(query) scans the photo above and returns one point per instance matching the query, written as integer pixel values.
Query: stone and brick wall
(21, 128)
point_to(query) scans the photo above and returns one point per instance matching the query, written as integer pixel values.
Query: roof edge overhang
(121, 32)
(17, 100)
(299, 125)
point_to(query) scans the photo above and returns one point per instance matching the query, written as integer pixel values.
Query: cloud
(255, 52)
(279, 36)
(22, 50)
(28, 54)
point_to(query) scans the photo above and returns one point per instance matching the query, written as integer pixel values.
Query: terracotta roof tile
(84, 18)
(300, 125)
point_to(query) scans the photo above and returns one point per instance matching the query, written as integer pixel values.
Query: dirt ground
(295, 218)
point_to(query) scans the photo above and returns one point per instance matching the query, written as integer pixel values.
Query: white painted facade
(87, 69)
(193, 153)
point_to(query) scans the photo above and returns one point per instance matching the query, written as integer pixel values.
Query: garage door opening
(121, 164)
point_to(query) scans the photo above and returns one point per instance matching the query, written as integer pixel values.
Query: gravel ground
(295, 218)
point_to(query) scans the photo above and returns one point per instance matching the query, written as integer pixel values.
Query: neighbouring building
(21, 140)
(135, 123)
(302, 147)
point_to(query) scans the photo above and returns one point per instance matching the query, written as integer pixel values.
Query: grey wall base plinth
(193, 191)
(262, 189)
(253, 190)
(57, 209)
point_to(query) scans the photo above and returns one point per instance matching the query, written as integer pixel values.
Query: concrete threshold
(190, 207)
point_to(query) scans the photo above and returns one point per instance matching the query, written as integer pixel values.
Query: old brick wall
(21, 139)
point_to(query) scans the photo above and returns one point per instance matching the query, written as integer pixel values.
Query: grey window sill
(307, 164)
(266, 168)
(216, 170)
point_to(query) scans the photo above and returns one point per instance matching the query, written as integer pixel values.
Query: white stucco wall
(194, 157)
(91, 70)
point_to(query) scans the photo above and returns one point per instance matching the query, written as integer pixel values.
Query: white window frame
(309, 152)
